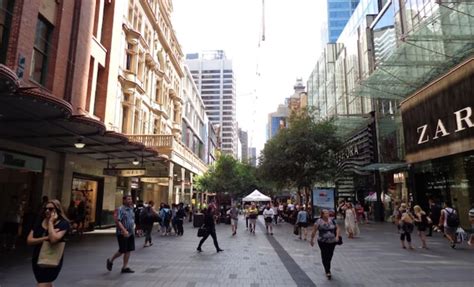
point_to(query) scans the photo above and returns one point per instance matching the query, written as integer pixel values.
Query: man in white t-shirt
(268, 217)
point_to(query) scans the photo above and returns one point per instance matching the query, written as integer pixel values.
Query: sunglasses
(50, 209)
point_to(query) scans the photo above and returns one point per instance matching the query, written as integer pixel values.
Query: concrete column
(170, 182)
(183, 177)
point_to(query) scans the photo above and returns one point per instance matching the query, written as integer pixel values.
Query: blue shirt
(302, 217)
(126, 216)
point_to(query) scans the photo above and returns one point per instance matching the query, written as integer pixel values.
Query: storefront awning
(444, 40)
(34, 117)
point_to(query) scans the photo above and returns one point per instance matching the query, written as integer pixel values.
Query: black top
(39, 231)
(209, 221)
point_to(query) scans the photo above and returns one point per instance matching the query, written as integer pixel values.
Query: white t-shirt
(268, 212)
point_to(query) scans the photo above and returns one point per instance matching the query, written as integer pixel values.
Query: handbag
(339, 241)
(202, 231)
(51, 254)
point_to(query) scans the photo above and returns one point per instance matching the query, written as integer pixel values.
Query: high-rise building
(253, 156)
(214, 77)
(244, 140)
(277, 121)
(339, 12)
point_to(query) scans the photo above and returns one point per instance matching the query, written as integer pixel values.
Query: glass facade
(339, 12)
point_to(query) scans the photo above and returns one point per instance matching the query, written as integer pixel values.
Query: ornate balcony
(174, 149)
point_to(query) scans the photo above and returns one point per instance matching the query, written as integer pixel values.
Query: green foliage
(229, 176)
(302, 154)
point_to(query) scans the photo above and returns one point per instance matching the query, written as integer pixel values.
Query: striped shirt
(126, 216)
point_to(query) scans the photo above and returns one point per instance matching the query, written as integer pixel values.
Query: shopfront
(438, 126)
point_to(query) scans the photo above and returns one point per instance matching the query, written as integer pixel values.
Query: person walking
(471, 220)
(449, 221)
(328, 236)
(268, 217)
(234, 218)
(253, 214)
(210, 227)
(125, 225)
(180, 215)
(275, 213)
(246, 215)
(434, 213)
(421, 222)
(302, 222)
(51, 227)
(147, 219)
(406, 226)
(165, 215)
(350, 221)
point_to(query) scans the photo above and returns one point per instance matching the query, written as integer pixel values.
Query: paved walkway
(374, 259)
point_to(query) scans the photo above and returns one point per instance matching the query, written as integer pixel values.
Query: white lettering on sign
(463, 121)
(466, 119)
(440, 129)
(422, 134)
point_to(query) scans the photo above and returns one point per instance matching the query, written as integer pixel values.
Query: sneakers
(199, 249)
(109, 264)
(127, 270)
(219, 250)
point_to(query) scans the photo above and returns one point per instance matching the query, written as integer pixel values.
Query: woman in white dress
(350, 222)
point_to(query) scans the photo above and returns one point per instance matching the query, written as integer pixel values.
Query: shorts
(450, 230)
(126, 244)
(303, 224)
(234, 221)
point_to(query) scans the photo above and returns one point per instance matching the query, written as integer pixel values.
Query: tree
(302, 154)
(228, 176)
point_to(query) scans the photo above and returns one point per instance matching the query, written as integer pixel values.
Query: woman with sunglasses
(52, 227)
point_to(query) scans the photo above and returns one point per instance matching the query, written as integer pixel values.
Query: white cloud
(291, 47)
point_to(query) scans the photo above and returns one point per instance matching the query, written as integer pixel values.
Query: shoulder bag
(51, 254)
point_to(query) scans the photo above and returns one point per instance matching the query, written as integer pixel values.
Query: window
(39, 65)
(5, 22)
(125, 119)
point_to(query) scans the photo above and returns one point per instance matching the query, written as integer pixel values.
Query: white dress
(350, 222)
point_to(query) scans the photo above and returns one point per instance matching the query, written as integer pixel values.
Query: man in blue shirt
(125, 222)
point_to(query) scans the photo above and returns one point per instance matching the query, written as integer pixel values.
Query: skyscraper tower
(339, 12)
(214, 77)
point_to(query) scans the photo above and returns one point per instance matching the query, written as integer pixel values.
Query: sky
(265, 71)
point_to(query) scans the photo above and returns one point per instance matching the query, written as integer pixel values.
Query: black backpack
(452, 218)
(147, 215)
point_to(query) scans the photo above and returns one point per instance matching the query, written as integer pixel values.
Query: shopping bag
(51, 254)
(461, 235)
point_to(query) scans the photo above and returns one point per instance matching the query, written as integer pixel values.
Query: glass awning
(348, 124)
(444, 40)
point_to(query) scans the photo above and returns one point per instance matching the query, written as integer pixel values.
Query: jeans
(179, 226)
(405, 234)
(327, 251)
(214, 238)
(147, 229)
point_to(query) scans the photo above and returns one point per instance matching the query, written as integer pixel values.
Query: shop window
(84, 198)
(39, 65)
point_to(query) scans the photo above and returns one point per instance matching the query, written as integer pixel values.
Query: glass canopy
(442, 41)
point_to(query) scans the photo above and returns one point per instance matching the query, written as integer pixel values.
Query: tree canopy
(229, 176)
(302, 154)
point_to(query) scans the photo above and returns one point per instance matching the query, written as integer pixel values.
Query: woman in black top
(51, 227)
(210, 227)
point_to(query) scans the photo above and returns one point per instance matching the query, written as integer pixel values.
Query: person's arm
(313, 234)
(441, 219)
(118, 222)
(54, 235)
(338, 231)
(35, 241)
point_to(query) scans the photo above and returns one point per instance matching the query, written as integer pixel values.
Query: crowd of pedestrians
(136, 220)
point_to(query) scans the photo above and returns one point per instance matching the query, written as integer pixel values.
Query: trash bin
(198, 219)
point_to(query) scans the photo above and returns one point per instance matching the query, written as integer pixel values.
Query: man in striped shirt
(125, 222)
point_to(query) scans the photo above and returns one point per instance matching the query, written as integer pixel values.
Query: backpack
(452, 218)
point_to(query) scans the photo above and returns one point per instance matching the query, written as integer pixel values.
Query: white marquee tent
(256, 196)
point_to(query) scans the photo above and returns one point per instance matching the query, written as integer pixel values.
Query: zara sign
(439, 120)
